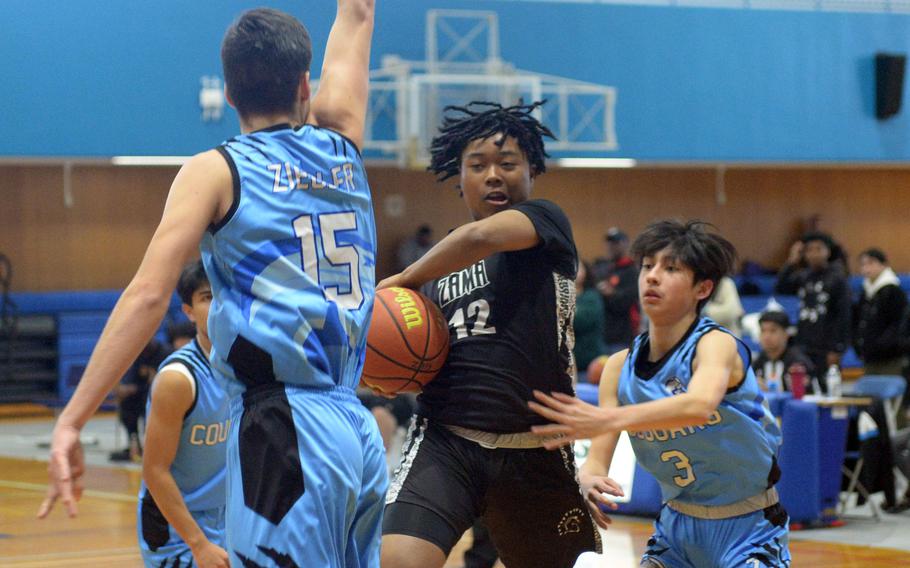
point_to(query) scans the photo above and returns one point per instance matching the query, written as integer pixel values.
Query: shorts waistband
(255, 394)
(758, 502)
(492, 440)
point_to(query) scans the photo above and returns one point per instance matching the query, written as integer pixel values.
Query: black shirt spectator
(777, 359)
(617, 281)
(878, 316)
(823, 330)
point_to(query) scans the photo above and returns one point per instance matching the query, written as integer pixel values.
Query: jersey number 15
(338, 255)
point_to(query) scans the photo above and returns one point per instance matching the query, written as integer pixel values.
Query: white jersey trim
(181, 368)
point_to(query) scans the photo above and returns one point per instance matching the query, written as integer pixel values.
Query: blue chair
(890, 389)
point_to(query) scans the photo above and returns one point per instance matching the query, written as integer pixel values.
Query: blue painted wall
(102, 77)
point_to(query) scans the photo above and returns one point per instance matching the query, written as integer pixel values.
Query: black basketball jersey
(510, 324)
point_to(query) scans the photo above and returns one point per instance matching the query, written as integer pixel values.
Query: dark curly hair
(691, 243)
(480, 120)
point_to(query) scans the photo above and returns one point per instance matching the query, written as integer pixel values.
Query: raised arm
(199, 195)
(505, 231)
(341, 101)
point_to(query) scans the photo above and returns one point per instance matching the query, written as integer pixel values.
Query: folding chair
(890, 389)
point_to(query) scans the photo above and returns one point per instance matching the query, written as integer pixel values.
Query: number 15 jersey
(292, 263)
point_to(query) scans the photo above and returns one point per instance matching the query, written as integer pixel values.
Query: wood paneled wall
(99, 241)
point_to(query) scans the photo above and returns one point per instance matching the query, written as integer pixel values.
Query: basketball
(596, 368)
(407, 343)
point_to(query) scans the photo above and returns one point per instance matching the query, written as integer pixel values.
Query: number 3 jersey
(730, 458)
(510, 325)
(292, 263)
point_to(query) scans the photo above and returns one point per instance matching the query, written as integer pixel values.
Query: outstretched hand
(65, 471)
(594, 489)
(573, 419)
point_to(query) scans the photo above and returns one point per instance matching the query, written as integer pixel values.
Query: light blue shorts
(306, 479)
(756, 540)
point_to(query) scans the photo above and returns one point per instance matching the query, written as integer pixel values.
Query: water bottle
(833, 382)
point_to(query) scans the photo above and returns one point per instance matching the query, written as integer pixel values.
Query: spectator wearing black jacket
(616, 278)
(778, 358)
(823, 330)
(878, 316)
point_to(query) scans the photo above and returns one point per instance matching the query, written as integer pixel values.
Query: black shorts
(528, 498)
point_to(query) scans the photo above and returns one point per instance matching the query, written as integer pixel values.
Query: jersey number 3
(681, 462)
(339, 256)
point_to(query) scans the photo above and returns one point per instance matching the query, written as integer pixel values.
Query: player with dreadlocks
(505, 283)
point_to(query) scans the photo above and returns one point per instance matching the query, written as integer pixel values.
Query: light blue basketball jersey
(292, 263)
(730, 458)
(199, 465)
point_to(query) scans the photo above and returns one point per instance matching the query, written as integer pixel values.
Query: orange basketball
(407, 343)
(596, 368)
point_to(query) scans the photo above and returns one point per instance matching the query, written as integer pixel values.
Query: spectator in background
(725, 307)
(778, 357)
(823, 330)
(411, 249)
(179, 334)
(589, 319)
(132, 393)
(617, 281)
(879, 315)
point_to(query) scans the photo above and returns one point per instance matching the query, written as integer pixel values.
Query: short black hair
(876, 253)
(820, 236)
(264, 54)
(709, 255)
(776, 317)
(181, 329)
(191, 279)
(480, 120)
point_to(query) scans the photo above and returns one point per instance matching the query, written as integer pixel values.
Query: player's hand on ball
(573, 419)
(394, 281)
(595, 489)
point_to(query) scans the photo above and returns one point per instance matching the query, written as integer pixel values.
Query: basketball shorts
(306, 478)
(755, 540)
(159, 543)
(529, 499)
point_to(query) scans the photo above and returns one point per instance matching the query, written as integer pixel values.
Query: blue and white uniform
(720, 505)
(198, 467)
(292, 272)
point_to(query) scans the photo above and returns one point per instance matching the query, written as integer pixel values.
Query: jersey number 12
(479, 311)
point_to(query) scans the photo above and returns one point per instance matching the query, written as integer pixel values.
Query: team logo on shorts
(674, 386)
(570, 522)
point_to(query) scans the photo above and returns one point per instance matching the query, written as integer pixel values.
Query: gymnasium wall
(99, 241)
(101, 77)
